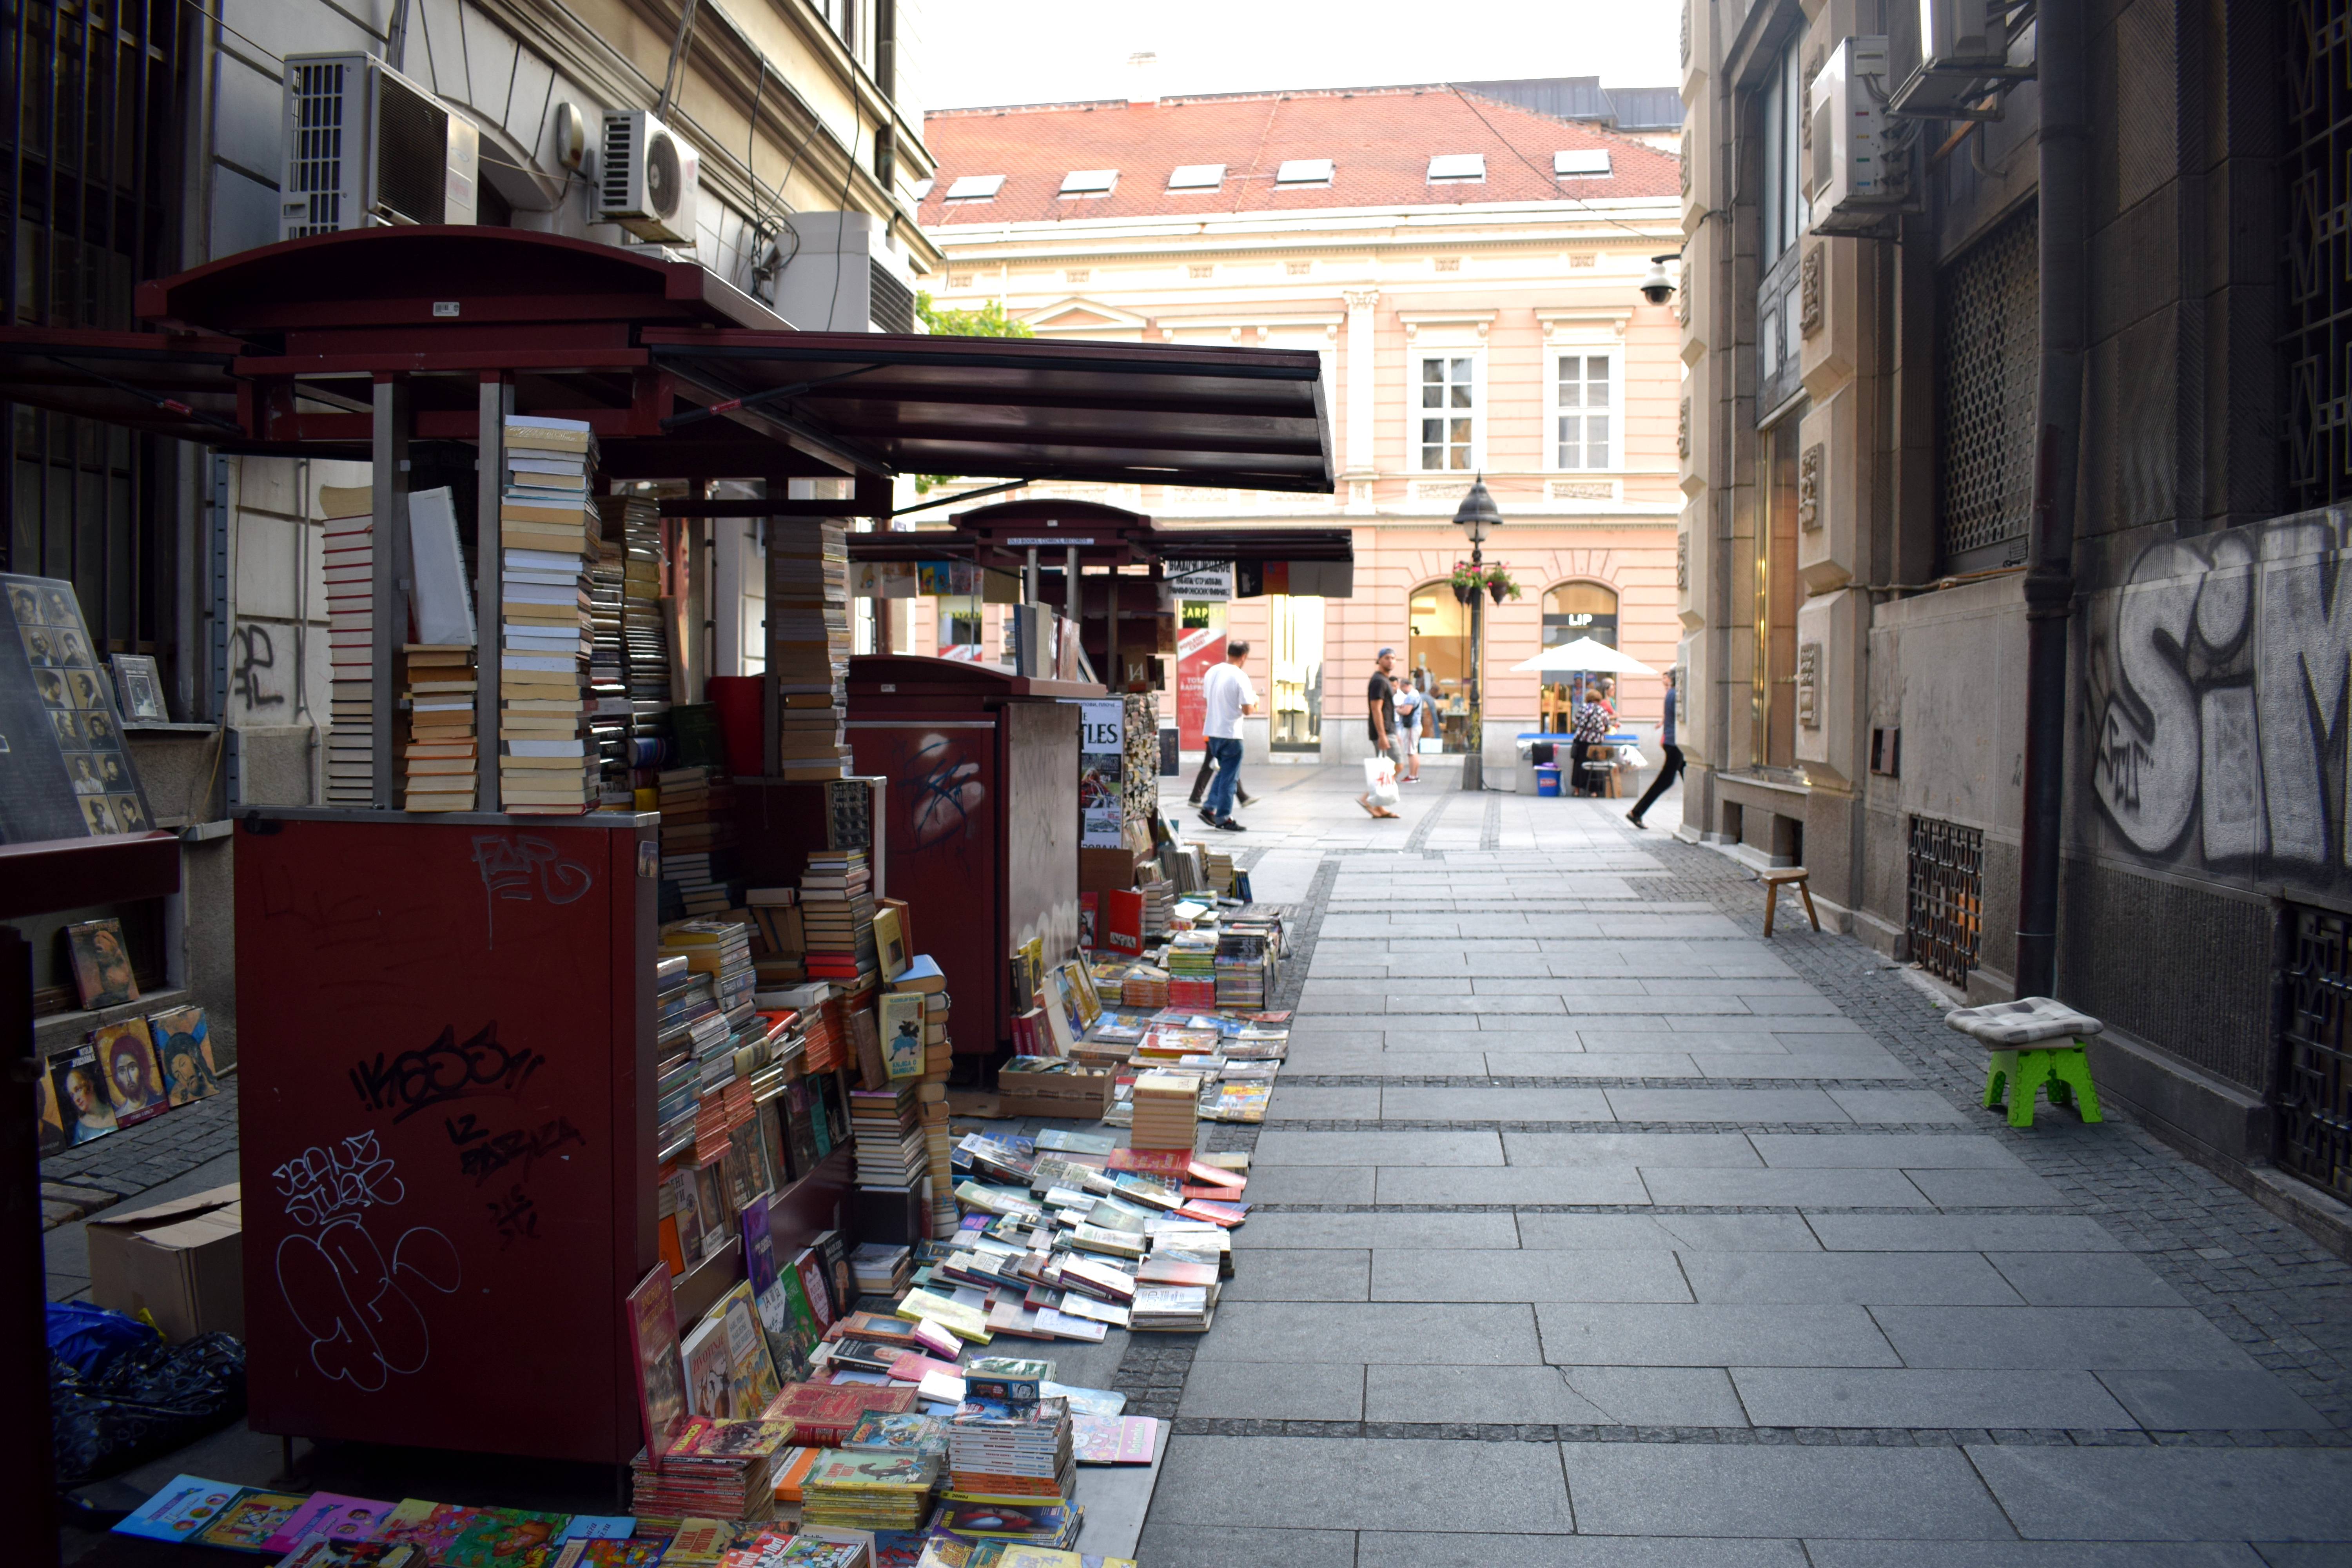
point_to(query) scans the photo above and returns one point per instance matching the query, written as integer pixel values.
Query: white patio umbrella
(1584, 653)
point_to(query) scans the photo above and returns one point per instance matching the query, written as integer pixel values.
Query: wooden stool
(2033, 1043)
(1772, 880)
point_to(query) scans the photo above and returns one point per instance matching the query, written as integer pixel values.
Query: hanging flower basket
(1499, 584)
(1466, 580)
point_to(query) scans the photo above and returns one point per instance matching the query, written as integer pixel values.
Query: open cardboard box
(181, 1260)
(1079, 1092)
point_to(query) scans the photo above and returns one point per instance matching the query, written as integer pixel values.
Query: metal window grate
(1944, 912)
(1987, 336)
(2315, 1078)
(890, 304)
(315, 174)
(2317, 181)
(90, 192)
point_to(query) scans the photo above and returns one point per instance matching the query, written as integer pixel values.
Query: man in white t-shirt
(1226, 694)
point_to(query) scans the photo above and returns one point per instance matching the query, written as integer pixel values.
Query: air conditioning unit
(836, 272)
(364, 146)
(650, 178)
(1963, 34)
(1852, 182)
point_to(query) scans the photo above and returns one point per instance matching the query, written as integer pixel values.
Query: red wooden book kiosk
(446, 1028)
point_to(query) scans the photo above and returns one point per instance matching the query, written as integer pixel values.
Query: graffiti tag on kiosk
(2216, 685)
(358, 1304)
(944, 794)
(521, 866)
(482, 1153)
(442, 1071)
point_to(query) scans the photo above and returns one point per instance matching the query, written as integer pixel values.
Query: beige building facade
(1477, 312)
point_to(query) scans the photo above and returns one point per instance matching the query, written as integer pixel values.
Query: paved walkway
(1596, 1231)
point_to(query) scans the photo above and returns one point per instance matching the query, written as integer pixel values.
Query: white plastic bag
(1380, 782)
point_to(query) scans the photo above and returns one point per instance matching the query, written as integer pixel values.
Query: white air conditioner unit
(650, 178)
(363, 145)
(1852, 183)
(837, 273)
(1962, 33)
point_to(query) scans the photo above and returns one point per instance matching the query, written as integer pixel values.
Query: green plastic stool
(2063, 1072)
(2034, 1044)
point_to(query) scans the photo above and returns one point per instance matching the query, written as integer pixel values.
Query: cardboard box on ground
(180, 1261)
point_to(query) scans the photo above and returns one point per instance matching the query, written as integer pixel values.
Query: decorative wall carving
(1809, 291)
(1809, 684)
(1682, 430)
(1808, 485)
(1681, 562)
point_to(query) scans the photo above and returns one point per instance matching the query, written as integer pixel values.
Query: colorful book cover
(710, 1371)
(599, 1527)
(48, 1118)
(771, 1298)
(751, 1373)
(180, 1511)
(1004, 1521)
(183, 1049)
(1114, 1440)
(133, 1083)
(814, 1291)
(247, 1523)
(433, 1527)
(661, 1372)
(334, 1516)
(902, 1035)
(101, 963)
(881, 1431)
(501, 1538)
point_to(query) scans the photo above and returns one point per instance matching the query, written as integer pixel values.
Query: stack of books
(837, 917)
(610, 718)
(722, 950)
(548, 529)
(1217, 866)
(854, 1489)
(891, 1157)
(1192, 970)
(1241, 971)
(1174, 1309)
(1167, 1110)
(350, 644)
(1159, 899)
(808, 643)
(1144, 987)
(440, 758)
(879, 1269)
(1007, 1451)
(718, 1469)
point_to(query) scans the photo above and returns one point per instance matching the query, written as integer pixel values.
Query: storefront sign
(1209, 580)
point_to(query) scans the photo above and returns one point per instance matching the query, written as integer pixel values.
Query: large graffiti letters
(319, 1184)
(442, 1071)
(352, 1300)
(2217, 689)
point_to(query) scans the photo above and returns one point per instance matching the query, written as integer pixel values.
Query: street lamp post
(1478, 517)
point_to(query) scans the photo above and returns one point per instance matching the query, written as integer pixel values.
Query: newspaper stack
(548, 529)
(350, 644)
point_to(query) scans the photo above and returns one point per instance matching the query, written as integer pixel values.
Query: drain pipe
(2049, 549)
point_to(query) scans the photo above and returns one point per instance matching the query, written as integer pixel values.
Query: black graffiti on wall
(2216, 685)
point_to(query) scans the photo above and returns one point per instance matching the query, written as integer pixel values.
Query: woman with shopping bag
(1380, 792)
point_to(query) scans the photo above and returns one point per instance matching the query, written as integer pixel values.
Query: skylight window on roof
(1457, 166)
(1304, 172)
(1196, 177)
(1089, 181)
(975, 188)
(1587, 164)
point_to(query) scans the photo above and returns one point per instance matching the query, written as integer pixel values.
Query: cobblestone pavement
(1706, 1245)
(104, 1171)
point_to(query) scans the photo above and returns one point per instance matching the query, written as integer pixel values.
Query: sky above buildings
(983, 52)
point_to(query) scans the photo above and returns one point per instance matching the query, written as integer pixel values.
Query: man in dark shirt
(1379, 723)
(1668, 771)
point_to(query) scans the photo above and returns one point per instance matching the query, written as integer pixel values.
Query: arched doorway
(1573, 610)
(1437, 654)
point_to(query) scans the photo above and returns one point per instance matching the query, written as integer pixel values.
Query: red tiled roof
(1380, 139)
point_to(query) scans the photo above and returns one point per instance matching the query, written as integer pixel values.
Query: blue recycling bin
(1548, 779)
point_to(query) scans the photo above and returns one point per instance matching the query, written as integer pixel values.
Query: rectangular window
(1784, 201)
(1584, 427)
(1448, 413)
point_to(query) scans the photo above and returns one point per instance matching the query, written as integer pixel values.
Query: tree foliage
(989, 322)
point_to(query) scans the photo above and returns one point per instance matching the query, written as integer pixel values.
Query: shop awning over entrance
(681, 375)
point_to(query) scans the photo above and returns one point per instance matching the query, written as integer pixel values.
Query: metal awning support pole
(1071, 604)
(1032, 592)
(2050, 547)
(388, 603)
(1116, 671)
(497, 400)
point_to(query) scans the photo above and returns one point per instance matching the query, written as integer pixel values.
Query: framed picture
(101, 962)
(138, 689)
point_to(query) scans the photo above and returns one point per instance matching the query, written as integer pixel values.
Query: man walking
(1226, 694)
(1668, 771)
(1379, 723)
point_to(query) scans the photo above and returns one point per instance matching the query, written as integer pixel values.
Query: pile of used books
(350, 571)
(548, 530)
(715, 1469)
(440, 758)
(1167, 1110)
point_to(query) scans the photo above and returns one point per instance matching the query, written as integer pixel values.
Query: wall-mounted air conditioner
(835, 272)
(1964, 50)
(364, 146)
(1853, 184)
(650, 178)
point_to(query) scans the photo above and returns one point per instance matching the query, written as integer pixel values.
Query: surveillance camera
(1656, 287)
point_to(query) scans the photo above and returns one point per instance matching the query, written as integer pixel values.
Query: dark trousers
(1668, 772)
(1577, 782)
(1209, 771)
